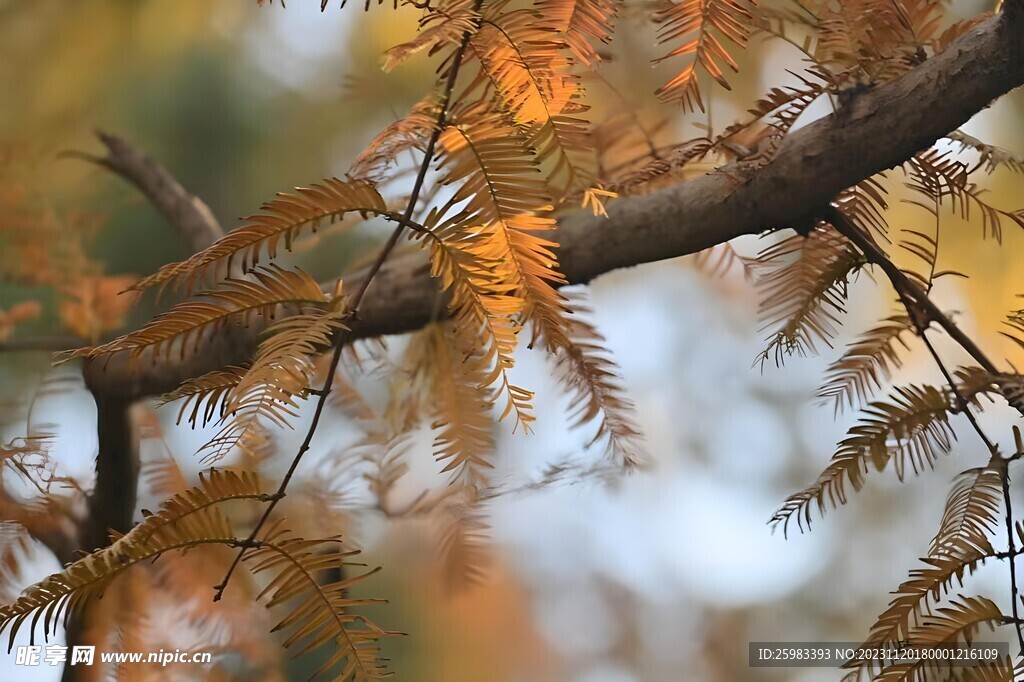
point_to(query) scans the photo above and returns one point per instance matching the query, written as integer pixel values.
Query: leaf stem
(922, 305)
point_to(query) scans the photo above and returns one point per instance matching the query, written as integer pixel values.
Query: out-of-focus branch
(111, 505)
(187, 214)
(881, 128)
(1014, 9)
(58, 536)
(112, 501)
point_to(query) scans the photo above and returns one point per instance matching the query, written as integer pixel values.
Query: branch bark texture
(880, 129)
(189, 215)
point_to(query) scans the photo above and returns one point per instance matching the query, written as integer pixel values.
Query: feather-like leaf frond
(521, 60)
(272, 386)
(936, 172)
(163, 477)
(804, 287)
(444, 26)
(865, 205)
(319, 615)
(186, 520)
(206, 393)
(501, 272)
(485, 312)
(583, 24)
(281, 219)
(918, 243)
(702, 25)
(660, 170)
(494, 164)
(1015, 322)
(1001, 669)
(913, 427)
(880, 39)
(464, 440)
(194, 518)
(990, 156)
(783, 106)
(463, 544)
(971, 515)
(1011, 386)
(926, 248)
(720, 259)
(853, 378)
(959, 622)
(183, 328)
(940, 42)
(409, 132)
(591, 378)
(912, 600)
(15, 546)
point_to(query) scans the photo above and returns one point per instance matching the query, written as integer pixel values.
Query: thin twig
(1012, 551)
(922, 311)
(919, 299)
(962, 403)
(353, 309)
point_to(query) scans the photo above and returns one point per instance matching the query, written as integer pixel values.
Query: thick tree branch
(112, 500)
(882, 128)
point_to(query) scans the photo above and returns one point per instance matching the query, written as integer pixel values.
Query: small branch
(920, 305)
(962, 405)
(922, 311)
(187, 214)
(1012, 552)
(353, 311)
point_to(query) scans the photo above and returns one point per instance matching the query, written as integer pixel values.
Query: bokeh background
(666, 575)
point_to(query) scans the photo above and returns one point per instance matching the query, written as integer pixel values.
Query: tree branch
(57, 536)
(880, 129)
(922, 313)
(187, 214)
(112, 501)
(919, 305)
(111, 504)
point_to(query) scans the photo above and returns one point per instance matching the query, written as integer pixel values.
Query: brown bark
(881, 128)
(189, 215)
